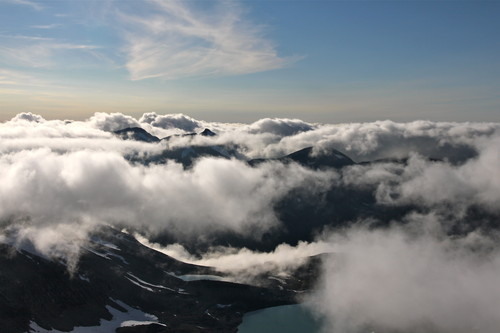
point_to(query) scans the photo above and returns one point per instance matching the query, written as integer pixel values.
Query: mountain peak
(330, 159)
(207, 132)
(137, 134)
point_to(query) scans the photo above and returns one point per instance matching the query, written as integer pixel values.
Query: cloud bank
(432, 270)
(102, 186)
(81, 163)
(171, 121)
(65, 172)
(395, 281)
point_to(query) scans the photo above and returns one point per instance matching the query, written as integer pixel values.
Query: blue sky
(323, 61)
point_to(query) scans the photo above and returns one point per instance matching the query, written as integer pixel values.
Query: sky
(239, 61)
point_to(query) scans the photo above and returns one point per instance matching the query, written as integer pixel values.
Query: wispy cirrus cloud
(46, 26)
(36, 51)
(177, 40)
(33, 4)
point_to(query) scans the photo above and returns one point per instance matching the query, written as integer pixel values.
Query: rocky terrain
(117, 274)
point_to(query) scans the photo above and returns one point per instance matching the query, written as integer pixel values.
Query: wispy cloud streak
(179, 40)
(37, 52)
(46, 26)
(33, 4)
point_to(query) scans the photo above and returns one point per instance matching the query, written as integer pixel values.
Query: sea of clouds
(62, 179)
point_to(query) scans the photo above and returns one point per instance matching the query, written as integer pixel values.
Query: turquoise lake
(287, 318)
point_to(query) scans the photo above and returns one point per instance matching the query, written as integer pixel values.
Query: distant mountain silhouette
(308, 158)
(137, 134)
(206, 132)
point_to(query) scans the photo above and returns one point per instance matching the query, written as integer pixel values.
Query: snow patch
(107, 254)
(222, 306)
(195, 277)
(102, 255)
(131, 317)
(136, 323)
(84, 278)
(102, 242)
(139, 285)
(146, 285)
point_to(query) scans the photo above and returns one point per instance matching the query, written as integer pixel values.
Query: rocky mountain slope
(118, 277)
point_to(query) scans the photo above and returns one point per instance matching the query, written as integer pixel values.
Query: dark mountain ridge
(137, 134)
(308, 158)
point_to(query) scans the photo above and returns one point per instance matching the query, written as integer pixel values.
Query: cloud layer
(78, 162)
(396, 281)
(432, 270)
(103, 187)
(64, 172)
